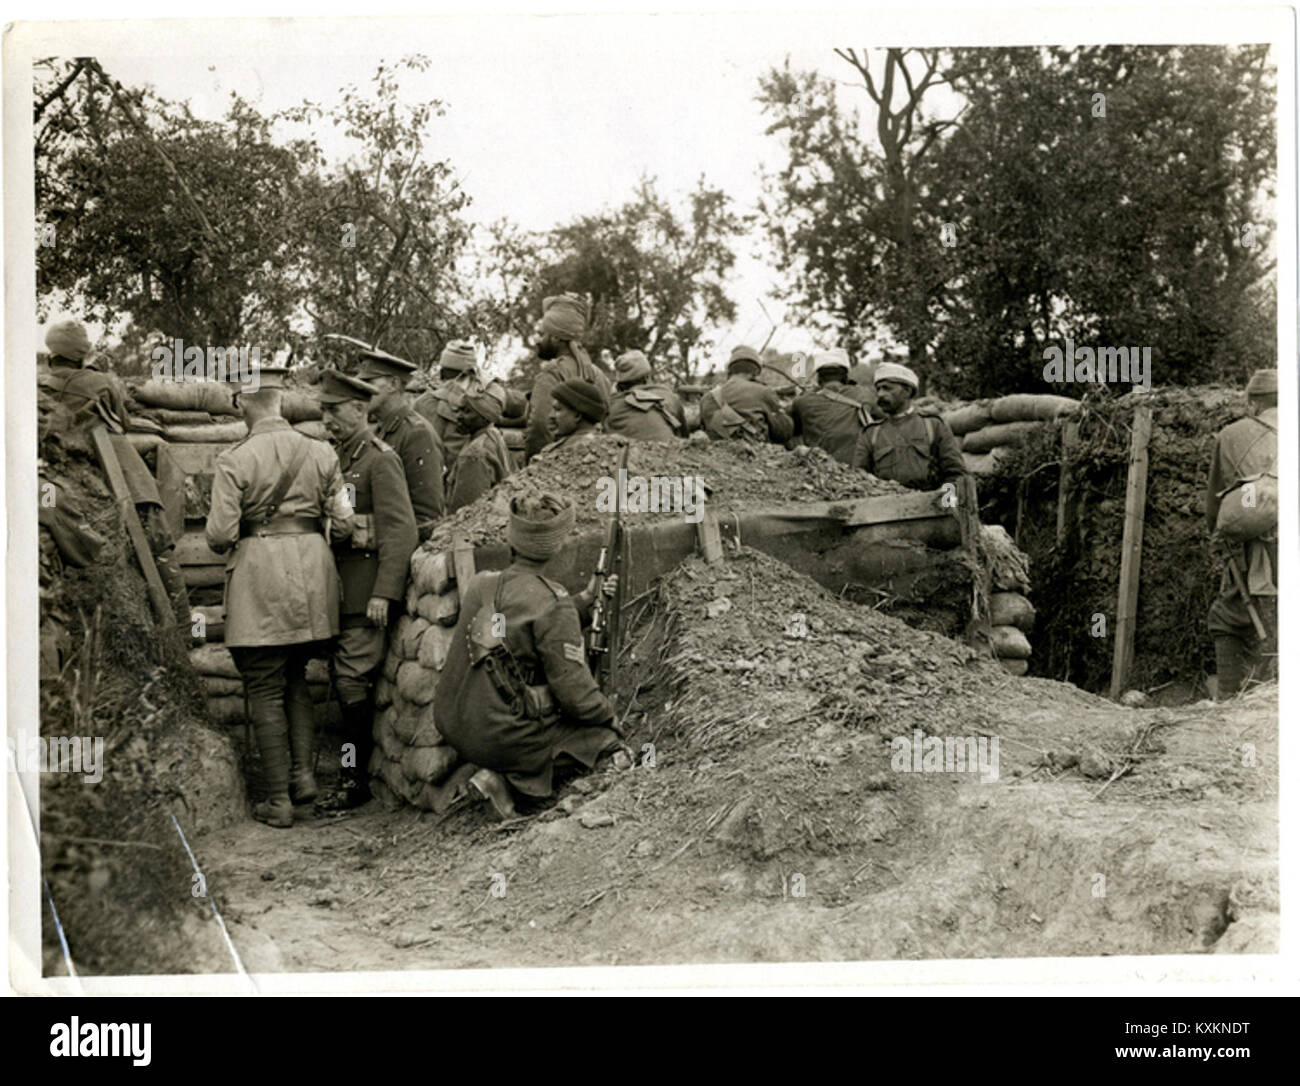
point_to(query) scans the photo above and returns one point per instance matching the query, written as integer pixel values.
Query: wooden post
(710, 536)
(162, 605)
(1135, 501)
(1069, 439)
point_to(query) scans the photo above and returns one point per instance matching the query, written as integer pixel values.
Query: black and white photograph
(492, 494)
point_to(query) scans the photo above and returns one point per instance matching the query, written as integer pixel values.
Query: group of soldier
(320, 537)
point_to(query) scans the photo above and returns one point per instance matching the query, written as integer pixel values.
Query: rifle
(1240, 581)
(605, 614)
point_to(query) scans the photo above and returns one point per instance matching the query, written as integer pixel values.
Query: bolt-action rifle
(605, 612)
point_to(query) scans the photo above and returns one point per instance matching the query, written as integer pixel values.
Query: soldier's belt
(281, 526)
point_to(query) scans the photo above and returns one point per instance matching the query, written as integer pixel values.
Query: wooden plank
(196, 459)
(914, 505)
(1065, 489)
(710, 536)
(462, 560)
(1135, 501)
(158, 597)
(192, 550)
(171, 487)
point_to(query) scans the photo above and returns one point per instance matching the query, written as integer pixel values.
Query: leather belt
(281, 526)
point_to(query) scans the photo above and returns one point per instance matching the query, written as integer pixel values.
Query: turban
(538, 526)
(584, 397)
(1262, 382)
(631, 365)
(459, 355)
(892, 371)
(744, 354)
(837, 356)
(485, 403)
(68, 339)
(564, 317)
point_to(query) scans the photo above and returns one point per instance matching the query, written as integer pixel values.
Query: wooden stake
(1069, 439)
(1131, 561)
(162, 606)
(710, 536)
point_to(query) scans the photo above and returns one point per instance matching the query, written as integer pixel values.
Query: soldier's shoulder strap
(380, 444)
(557, 589)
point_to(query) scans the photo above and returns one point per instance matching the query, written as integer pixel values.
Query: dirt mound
(732, 471)
(773, 817)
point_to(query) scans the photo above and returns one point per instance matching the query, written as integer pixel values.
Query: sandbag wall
(204, 412)
(989, 429)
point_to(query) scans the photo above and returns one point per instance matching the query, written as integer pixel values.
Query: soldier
(1245, 451)
(485, 459)
(372, 565)
(411, 436)
(912, 447)
(742, 407)
(642, 409)
(516, 696)
(277, 496)
(832, 415)
(577, 408)
(564, 320)
(73, 393)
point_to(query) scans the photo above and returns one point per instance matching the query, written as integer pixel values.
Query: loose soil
(771, 824)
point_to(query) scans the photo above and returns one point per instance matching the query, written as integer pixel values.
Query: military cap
(631, 365)
(1262, 382)
(836, 356)
(259, 377)
(336, 387)
(377, 363)
(485, 403)
(744, 354)
(68, 339)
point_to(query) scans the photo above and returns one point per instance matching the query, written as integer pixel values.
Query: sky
(549, 118)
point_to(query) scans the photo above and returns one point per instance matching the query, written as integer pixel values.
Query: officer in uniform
(372, 565)
(485, 459)
(742, 407)
(411, 436)
(516, 696)
(563, 358)
(832, 415)
(277, 496)
(912, 447)
(643, 409)
(1244, 450)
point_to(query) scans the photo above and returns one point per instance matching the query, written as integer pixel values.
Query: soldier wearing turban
(563, 358)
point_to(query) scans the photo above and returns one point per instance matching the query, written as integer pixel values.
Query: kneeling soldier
(275, 497)
(516, 694)
(373, 566)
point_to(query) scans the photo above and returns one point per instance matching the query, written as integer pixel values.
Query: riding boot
(272, 731)
(1230, 660)
(302, 742)
(354, 779)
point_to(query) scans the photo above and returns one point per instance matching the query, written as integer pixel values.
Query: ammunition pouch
(489, 652)
(363, 532)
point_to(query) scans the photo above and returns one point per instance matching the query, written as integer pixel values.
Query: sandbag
(1011, 609)
(392, 746)
(216, 686)
(214, 660)
(313, 429)
(213, 397)
(411, 636)
(434, 646)
(1249, 511)
(998, 436)
(1009, 643)
(226, 710)
(219, 433)
(298, 406)
(406, 721)
(417, 683)
(1028, 407)
(213, 626)
(989, 463)
(1014, 667)
(428, 764)
(138, 424)
(392, 661)
(383, 693)
(143, 443)
(431, 573)
(965, 420)
(182, 418)
(426, 730)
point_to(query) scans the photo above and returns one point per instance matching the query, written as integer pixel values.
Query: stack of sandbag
(224, 690)
(989, 429)
(1012, 617)
(204, 412)
(411, 758)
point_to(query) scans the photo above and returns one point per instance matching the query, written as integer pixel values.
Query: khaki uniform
(440, 407)
(281, 589)
(482, 463)
(543, 631)
(915, 448)
(745, 409)
(374, 562)
(555, 372)
(74, 396)
(584, 432)
(413, 438)
(649, 412)
(832, 417)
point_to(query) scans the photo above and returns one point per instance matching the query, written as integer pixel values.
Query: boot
(302, 744)
(272, 731)
(493, 787)
(1230, 658)
(354, 780)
